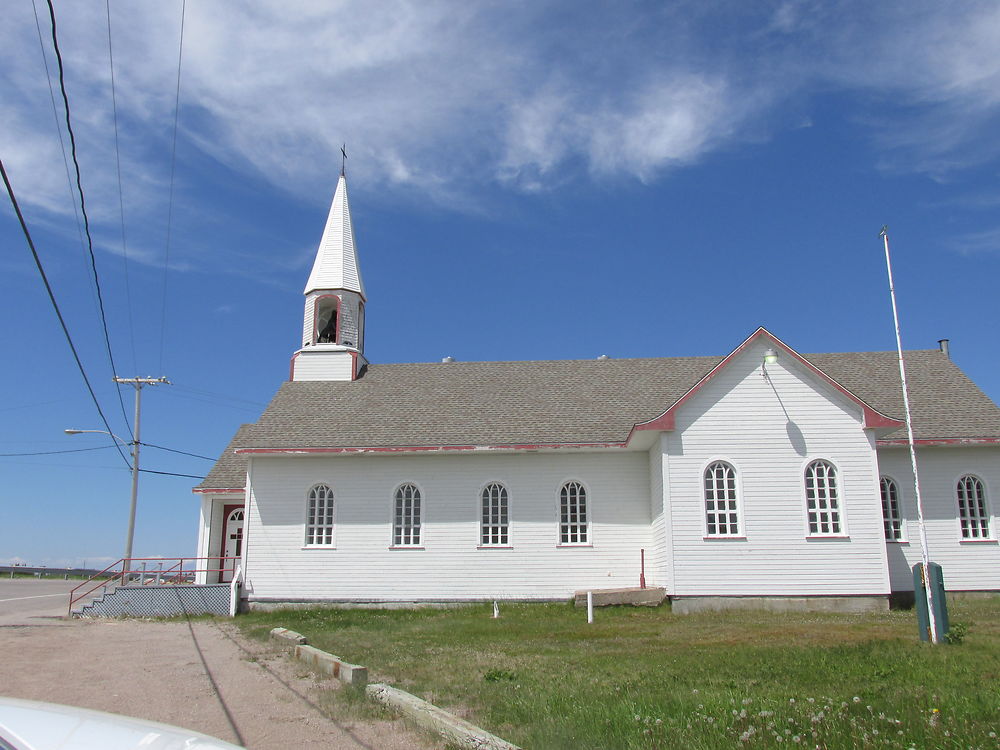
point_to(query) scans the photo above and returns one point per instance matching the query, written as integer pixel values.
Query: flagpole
(925, 554)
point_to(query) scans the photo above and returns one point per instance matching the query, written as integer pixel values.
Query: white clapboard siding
(314, 363)
(657, 572)
(966, 565)
(363, 566)
(769, 434)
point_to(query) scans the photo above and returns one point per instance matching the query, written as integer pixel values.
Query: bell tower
(333, 329)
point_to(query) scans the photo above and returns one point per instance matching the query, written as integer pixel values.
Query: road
(33, 601)
(202, 674)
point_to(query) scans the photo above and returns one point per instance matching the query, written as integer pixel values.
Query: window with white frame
(319, 521)
(823, 499)
(494, 520)
(972, 513)
(573, 521)
(406, 517)
(892, 518)
(721, 511)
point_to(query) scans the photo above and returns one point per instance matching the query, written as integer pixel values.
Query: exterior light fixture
(770, 356)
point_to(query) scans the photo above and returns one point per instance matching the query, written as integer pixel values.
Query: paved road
(33, 601)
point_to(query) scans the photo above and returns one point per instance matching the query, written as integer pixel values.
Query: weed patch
(646, 679)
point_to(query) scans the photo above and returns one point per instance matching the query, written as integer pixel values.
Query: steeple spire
(333, 323)
(336, 264)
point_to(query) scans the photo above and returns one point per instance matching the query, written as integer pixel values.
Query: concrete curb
(352, 674)
(427, 716)
(284, 634)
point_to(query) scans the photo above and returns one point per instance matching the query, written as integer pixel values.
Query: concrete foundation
(685, 605)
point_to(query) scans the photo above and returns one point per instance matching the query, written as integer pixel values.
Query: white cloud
(985, 241)
(448, 97)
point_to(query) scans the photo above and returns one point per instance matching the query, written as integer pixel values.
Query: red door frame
(226, 512)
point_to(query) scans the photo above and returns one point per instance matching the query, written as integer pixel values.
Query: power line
(173, 450)
(170, 198)
(170, 474)
(83, 209)
(223, 396)
(121, 192)
(51, 453)
(55, 305)
(55, 116)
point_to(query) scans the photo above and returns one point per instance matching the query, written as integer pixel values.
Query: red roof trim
(425, 448)
(938, 441)
(873, 419)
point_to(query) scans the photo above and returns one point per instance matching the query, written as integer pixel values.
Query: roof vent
(604, 356)
(943, 343)
(448, 359)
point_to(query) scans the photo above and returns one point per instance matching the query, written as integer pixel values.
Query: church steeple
(336, 264)
(334, 321)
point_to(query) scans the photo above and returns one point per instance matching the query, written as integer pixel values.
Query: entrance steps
(159, 601)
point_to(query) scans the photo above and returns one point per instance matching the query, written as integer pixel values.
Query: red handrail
(172, 575)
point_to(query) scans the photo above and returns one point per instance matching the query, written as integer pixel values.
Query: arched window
(494, 518)
(891, 515)
(319, 521)
(406, 517)
(721, 510)
(822, 499)
(972, 513)
(327, 319)
(573, 520)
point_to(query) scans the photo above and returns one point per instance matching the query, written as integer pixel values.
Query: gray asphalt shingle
(569, 401)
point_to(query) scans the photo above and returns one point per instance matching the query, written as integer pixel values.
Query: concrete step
(637, 597)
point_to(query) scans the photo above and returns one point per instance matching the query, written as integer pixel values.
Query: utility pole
(137, 383)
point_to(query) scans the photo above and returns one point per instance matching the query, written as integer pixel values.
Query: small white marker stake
(496, 610)
(590, 607)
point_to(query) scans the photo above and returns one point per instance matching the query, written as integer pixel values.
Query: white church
(763, 475)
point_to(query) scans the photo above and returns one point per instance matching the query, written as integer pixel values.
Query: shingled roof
(570, 402)
(230, 471)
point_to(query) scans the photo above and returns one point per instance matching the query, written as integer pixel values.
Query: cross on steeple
(343, 160)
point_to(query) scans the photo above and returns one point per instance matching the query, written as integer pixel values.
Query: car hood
(32, 725)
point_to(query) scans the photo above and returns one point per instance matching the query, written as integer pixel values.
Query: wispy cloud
(985, 241)
(453, 98)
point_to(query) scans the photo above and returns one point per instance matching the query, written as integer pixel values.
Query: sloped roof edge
(873, 419)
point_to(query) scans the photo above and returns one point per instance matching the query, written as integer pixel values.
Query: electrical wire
(170, 474)
(55, 305)
(55, 116)
(223, 396)
(121, 192)
(173, 450)
(51, 453)
(170, 194)
(83, 211)
(252, 409)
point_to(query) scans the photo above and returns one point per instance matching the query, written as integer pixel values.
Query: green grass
(541, 677)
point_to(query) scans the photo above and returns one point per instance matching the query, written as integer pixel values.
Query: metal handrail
(125, 569)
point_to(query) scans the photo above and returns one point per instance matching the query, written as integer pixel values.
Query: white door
(234, 544)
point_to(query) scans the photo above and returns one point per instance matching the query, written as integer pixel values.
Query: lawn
(541, 677)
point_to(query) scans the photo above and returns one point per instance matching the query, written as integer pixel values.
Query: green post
(937, 594)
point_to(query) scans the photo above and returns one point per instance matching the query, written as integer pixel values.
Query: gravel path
(200, 675)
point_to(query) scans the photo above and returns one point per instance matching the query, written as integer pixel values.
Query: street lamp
(134, 444)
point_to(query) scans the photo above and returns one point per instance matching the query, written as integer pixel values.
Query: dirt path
(201, 676)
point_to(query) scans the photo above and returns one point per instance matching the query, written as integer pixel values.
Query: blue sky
(528, 180)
